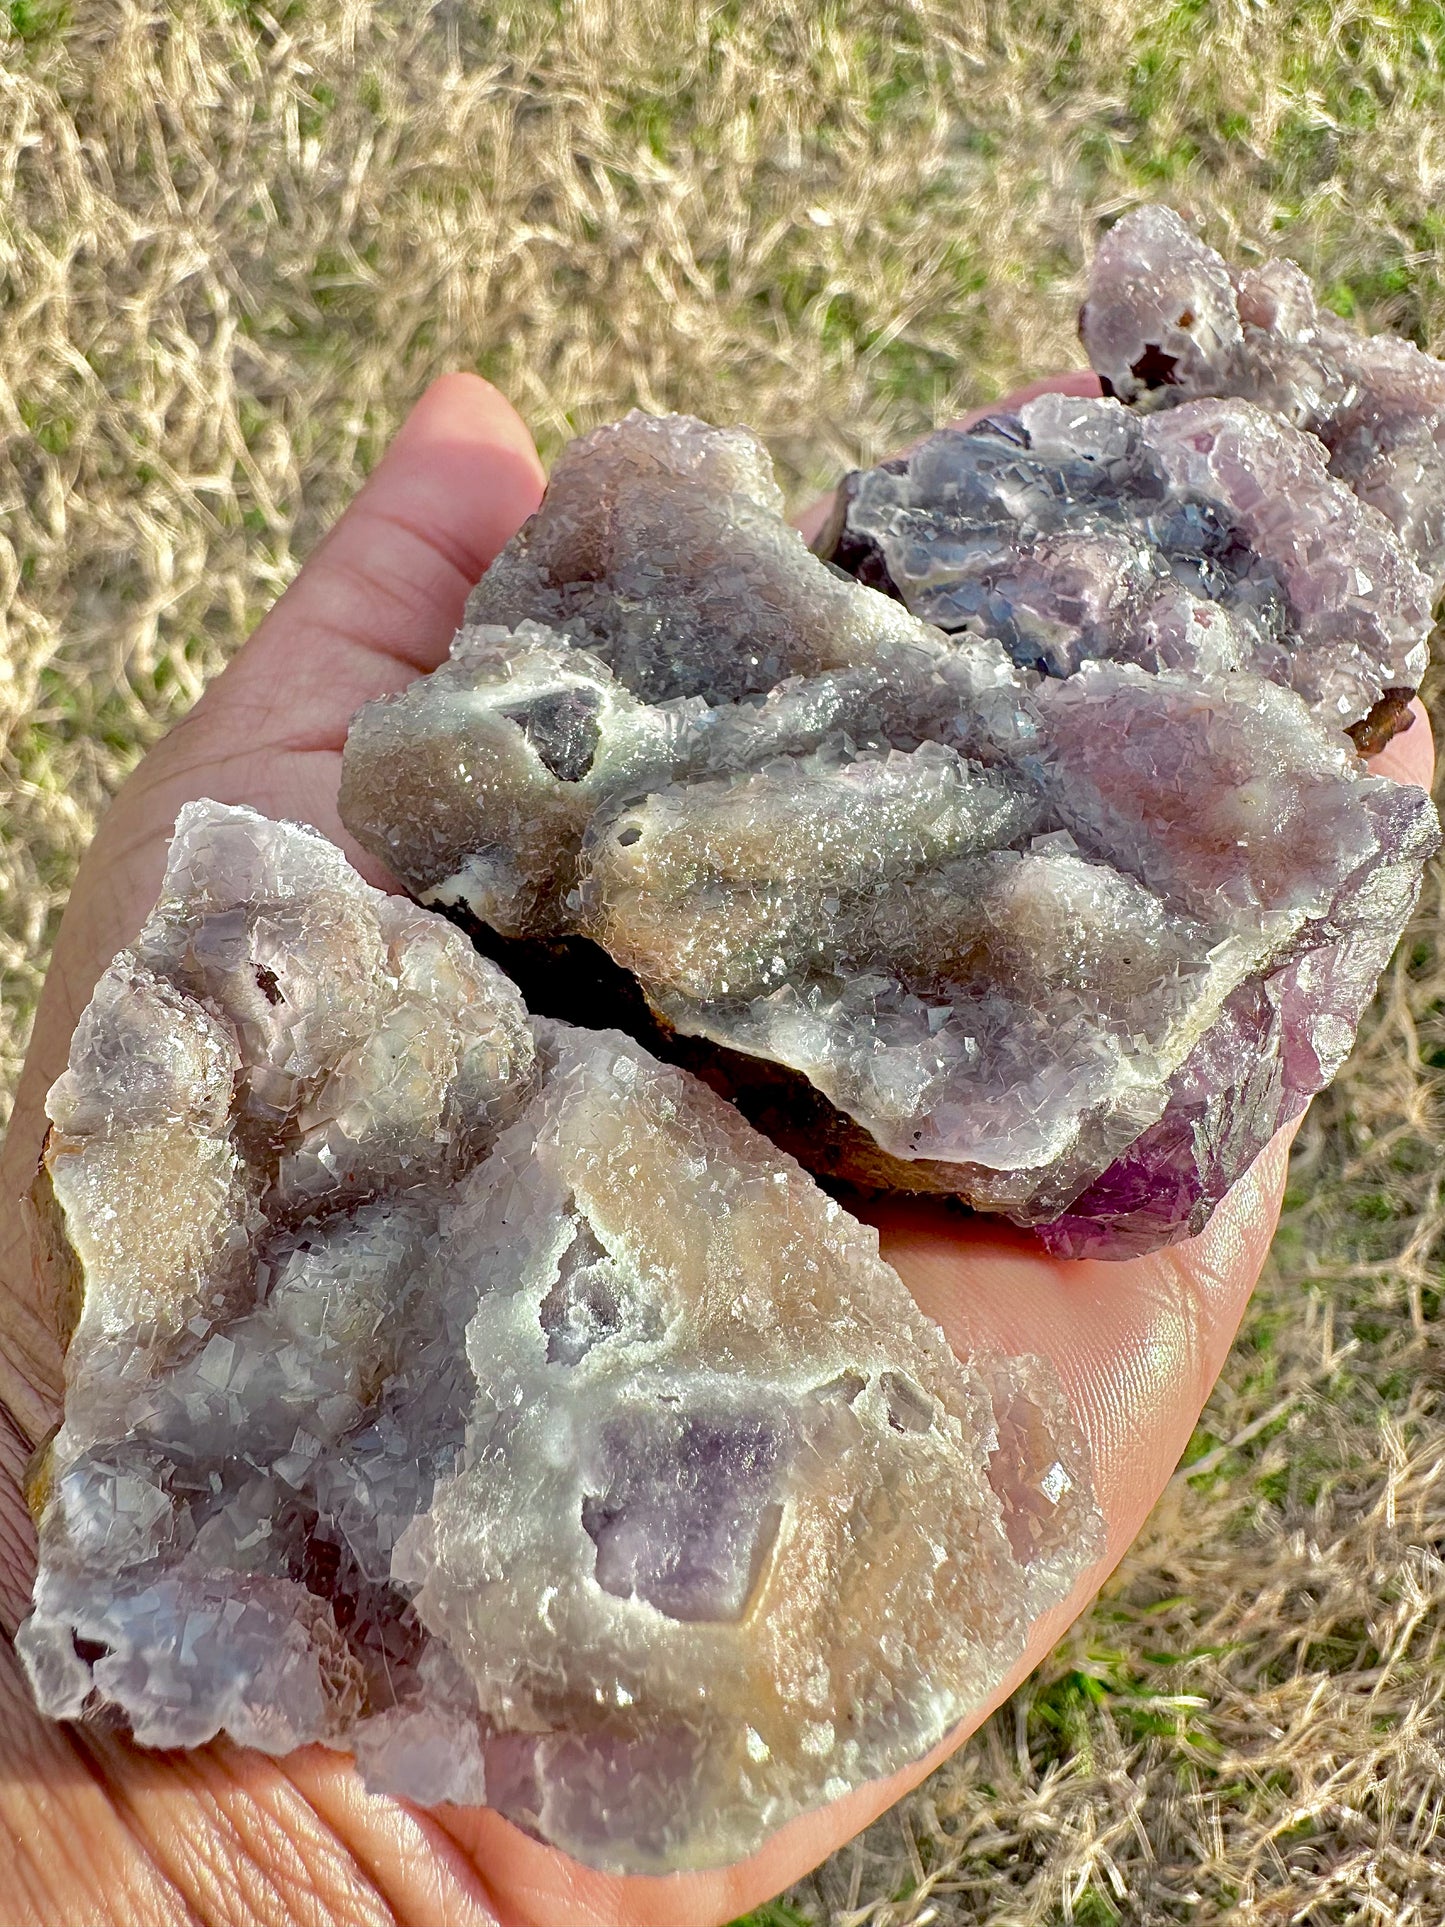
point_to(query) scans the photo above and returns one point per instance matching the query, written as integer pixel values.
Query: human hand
(95, 1828)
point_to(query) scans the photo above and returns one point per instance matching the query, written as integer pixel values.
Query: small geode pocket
(492, 1401)
(1070, 948)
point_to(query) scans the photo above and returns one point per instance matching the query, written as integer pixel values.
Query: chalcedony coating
(491, 1400)
(1167, 319)
(1071, 948)
(1204, 540)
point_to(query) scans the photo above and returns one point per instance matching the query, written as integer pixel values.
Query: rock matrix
(1070, 946)
(491, 1400)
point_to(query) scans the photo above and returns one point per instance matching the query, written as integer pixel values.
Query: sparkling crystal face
(1071, 947)
(491, 1400)
(1167, 319)
(1202, 541)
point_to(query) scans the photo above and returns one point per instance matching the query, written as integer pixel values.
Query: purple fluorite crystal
(1167, 319)
(1204, 541)
(492, 1401)
(1070, 947)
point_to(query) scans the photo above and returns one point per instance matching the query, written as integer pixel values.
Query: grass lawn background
(235, 243)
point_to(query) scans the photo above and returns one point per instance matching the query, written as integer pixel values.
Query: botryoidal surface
(1168, 319)
(491, 1400)
(1070, 947)
(1204, 540)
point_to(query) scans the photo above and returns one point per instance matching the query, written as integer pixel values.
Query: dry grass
(234, 244)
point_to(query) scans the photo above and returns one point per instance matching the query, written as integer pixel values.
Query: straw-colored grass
(234, 245)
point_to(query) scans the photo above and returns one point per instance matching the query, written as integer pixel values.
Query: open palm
(92, 1828)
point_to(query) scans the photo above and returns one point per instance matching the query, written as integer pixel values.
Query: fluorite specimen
(1071, 948)
(1205, 540)
(491, 1400)
(1167, 319)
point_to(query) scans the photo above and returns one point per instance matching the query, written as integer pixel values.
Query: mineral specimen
(1205, 540)
(1072, 948)
(1167, 319)
(493, 1401)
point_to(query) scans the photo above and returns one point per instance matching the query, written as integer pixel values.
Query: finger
(1079, 381)
(1074, 381)
(381, 598)
(458, 480)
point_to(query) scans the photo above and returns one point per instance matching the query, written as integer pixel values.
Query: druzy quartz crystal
(490, 1399)
(1070, 946)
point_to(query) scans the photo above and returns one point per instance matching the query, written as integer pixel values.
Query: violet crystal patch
(1168, 319)
(1206, 540)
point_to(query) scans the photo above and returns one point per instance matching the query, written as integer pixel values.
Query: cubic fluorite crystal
(1167, 319)
(1205, 540)
(491, 1400)
(1071, 948)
